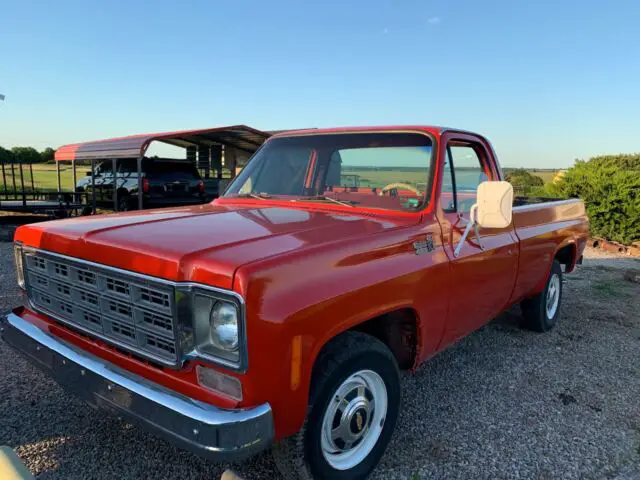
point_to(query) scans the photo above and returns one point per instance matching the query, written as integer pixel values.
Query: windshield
(378, 170)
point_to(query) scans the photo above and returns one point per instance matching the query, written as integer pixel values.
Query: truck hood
(205, 243)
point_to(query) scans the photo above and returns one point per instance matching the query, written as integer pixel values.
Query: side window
(462, 174)
(448, 193)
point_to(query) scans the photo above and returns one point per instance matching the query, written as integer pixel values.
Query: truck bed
(545, 226)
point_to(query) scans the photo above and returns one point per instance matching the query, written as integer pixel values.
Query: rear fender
(569, 265)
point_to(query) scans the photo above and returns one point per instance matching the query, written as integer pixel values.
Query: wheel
(541, 312)
(353, 407)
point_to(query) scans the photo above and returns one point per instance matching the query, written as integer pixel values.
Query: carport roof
(241, 137)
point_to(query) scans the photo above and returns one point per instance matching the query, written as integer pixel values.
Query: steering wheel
(391, 186)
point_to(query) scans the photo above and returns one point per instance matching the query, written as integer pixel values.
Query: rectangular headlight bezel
(190, 334)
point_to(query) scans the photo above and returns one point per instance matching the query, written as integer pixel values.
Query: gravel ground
(502, 403)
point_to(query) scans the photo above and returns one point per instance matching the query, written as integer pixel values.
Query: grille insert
(117, 286)
(154, 297)
(136, 314)
(62, 289)
(84, 276)
(60, 269)
(120, 330)
(39, 281)
(91, 317)
(157, 343)
(154, 321)
(89, 299)
(117, 309)
(38, 263)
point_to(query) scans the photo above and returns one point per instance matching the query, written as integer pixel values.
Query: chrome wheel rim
(553, 296)
(354, 419)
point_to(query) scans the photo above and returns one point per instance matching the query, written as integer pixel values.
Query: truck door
(484, 271)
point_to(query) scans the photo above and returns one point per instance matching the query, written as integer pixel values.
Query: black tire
(534, 310)
(301, 455)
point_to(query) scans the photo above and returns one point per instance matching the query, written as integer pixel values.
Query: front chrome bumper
(209, 431)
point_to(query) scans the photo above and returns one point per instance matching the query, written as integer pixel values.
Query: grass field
(546, 176)
(44, 177)
(379, 179)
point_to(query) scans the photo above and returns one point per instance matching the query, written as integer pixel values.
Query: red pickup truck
(281, 313)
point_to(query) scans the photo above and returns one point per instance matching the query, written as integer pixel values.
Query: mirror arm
(470, 224)
(478, 237)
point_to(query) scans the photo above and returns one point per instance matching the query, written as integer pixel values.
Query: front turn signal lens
(219, 382)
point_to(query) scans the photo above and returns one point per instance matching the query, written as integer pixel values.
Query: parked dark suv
(165, 182)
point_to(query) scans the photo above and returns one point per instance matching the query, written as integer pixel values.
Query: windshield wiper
(259, 196)
(324, 198)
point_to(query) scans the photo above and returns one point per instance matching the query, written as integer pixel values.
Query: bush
(610, 187)
(523, 182)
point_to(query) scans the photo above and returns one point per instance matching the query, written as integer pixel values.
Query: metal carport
(239, 137)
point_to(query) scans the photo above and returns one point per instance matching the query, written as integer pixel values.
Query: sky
(546, 81)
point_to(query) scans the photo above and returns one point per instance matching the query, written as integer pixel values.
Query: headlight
(224, 326)
(218, 328)
(17, 255)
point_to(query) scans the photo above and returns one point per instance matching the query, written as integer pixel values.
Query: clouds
(434, 21)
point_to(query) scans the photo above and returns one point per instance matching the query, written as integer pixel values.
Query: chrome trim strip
(195, 425)
(240, 367)
(534, 206)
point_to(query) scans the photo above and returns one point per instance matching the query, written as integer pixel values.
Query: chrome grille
(132, 312)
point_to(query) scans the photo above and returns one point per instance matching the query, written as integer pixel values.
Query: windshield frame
(431, 170)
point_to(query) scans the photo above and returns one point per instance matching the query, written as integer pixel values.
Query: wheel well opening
(565, 256)
(398, 330)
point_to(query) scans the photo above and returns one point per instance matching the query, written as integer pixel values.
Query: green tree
(610, 187)
(6, 156)
(47, 154)
(26, 155)
(524, 183)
